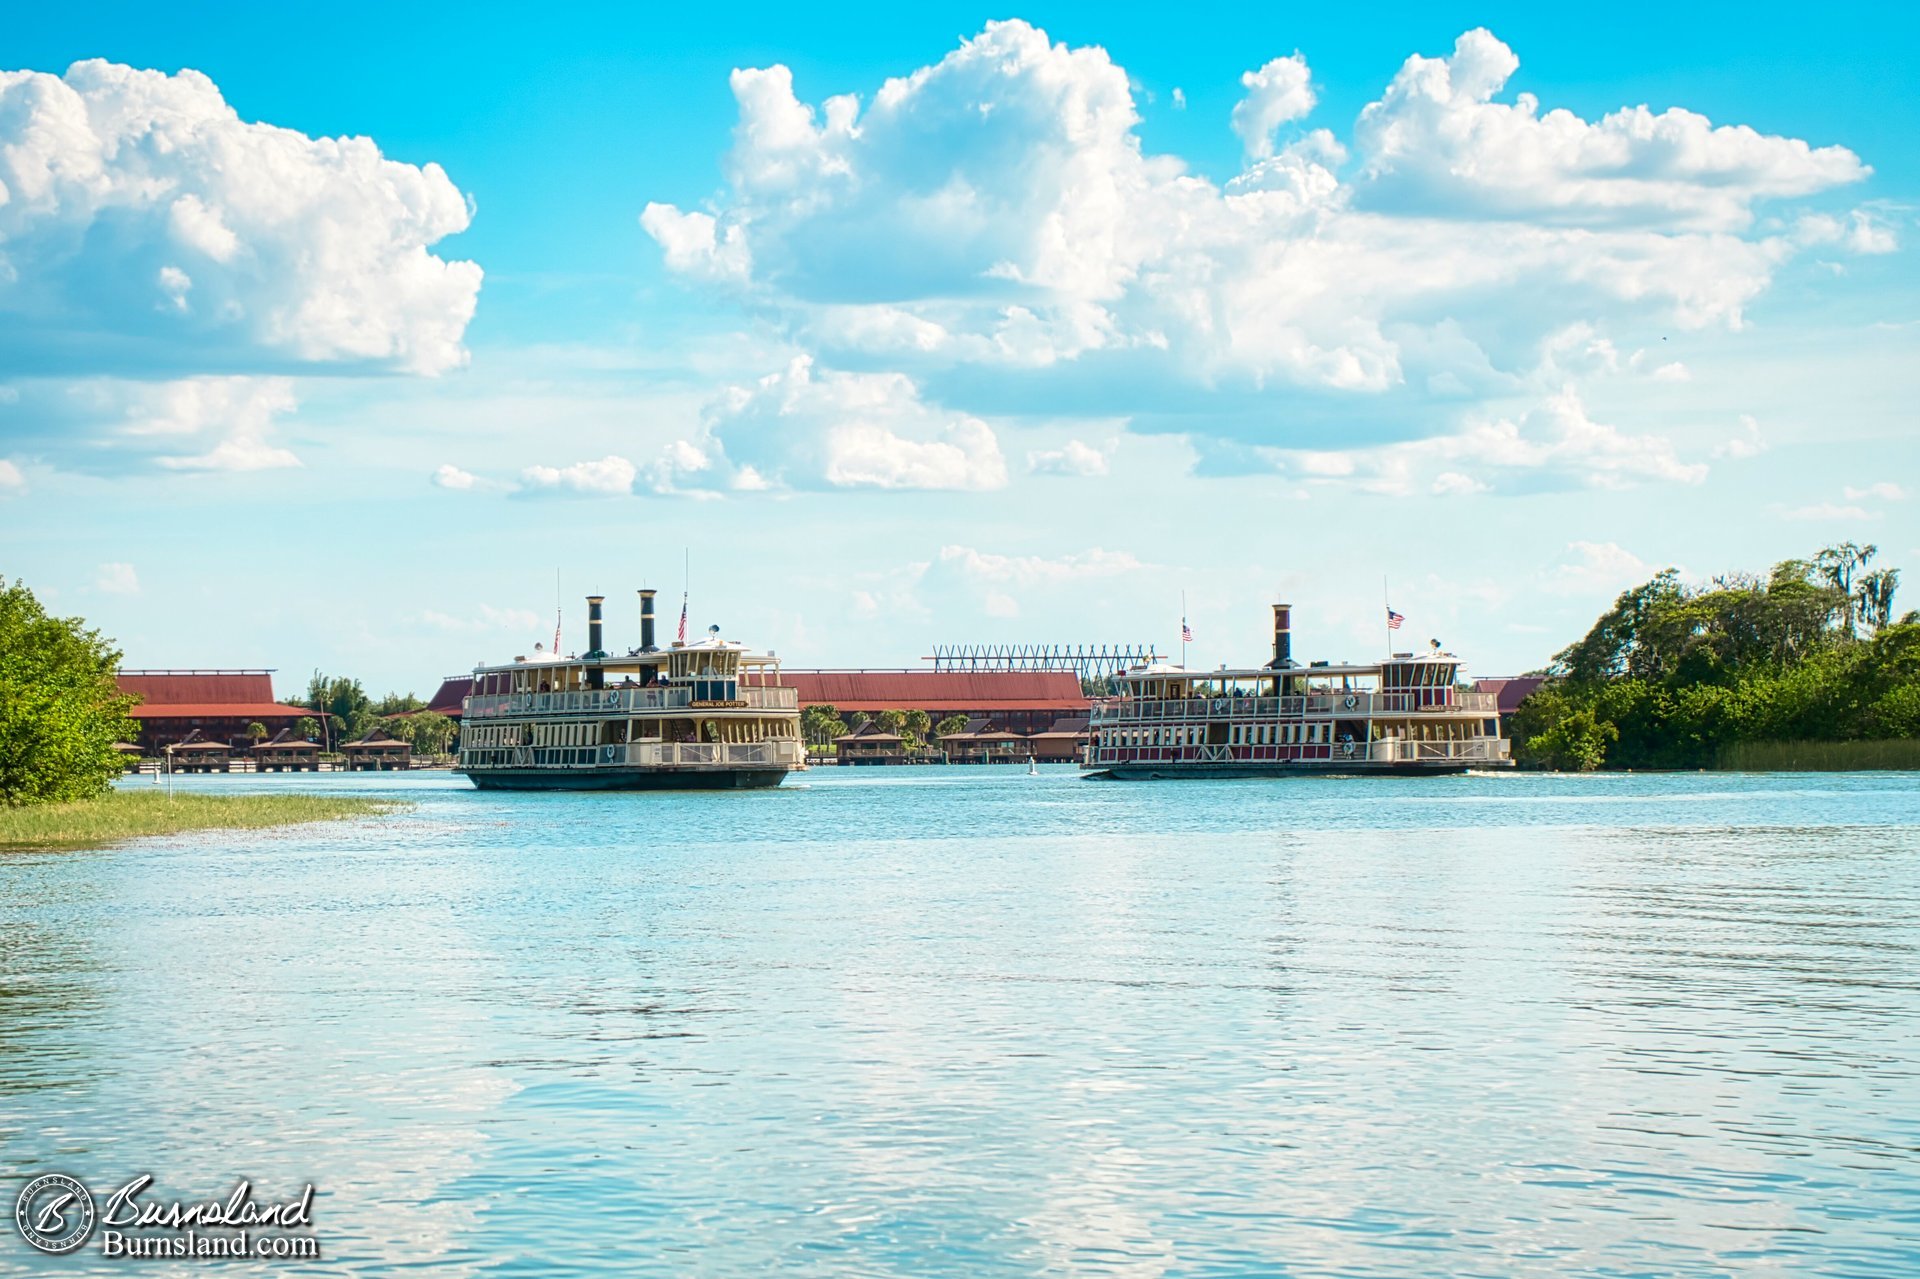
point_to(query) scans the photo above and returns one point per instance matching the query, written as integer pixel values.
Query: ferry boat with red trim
(705, 715)
(1407, 714)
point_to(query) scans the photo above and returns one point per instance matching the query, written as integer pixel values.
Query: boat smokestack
(646, 622)
(1282, 636)
(595, 637)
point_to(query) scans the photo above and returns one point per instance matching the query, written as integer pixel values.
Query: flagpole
(1183, 630)
(1386, 599)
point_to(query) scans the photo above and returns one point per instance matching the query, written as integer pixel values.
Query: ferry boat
(705, 715)
(1404, 715)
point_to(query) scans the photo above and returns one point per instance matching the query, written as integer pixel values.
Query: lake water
(917, 1022)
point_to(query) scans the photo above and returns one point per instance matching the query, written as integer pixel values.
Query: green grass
(1899, 754)
(122, 815)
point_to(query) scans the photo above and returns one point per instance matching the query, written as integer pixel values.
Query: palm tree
(1838, 565)
(1875, 595)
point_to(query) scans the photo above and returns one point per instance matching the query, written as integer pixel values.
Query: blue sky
(1088, 309)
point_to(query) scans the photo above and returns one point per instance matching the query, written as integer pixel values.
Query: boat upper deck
(710, 674)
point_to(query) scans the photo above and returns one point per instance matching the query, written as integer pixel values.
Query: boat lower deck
(1295, 768)
(628, 778)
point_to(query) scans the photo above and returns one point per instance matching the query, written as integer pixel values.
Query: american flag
(1393, 620)
(1186, 632)
(683, 619)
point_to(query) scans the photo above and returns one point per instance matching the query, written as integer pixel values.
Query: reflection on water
(927, 1021)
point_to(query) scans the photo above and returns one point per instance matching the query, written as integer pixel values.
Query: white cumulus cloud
(1829, 512)
(1076, 457)
(1280, 91)
(140, 208)
(991, 227)
(1748, 443)
(1594, 568)
(449, 476)
(1437, 141)
(611, 476)
(1555, 445)
(106, 425)
(12, 482)
(1038, 570)
(488, 619)
(806, 427)
(118, 578)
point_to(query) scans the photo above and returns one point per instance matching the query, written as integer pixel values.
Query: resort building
(198, 754)
(870, 744)
(450, 698)
(1018, 701)
(218, 705)
(377, 753)
(286, 753)
(1508, 693)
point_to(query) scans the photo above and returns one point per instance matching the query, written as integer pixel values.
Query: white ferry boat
(706, 715)
(1406, 714)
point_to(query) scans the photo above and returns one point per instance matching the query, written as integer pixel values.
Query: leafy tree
(398, 727)
(432, 732)
(1671, 674)
(820, 724)
(343, 702)
(397, 703)
(919, 724)
(61, 710)
(1875, 597)
(307, 726)
(1571, 739)
(257, 732)
(1839, 565)
(950, 725)
(892, 721)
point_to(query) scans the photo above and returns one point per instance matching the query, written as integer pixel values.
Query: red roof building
(1023, 701)
(219, 704)
(1510, 692)
(451, 697)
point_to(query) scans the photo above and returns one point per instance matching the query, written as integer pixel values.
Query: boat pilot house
(1406, 714)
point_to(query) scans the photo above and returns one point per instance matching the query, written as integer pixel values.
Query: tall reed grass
(1897, 754)
(122, 814)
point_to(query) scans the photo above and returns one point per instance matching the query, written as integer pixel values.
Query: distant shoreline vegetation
(1803, 668)
(61, 721)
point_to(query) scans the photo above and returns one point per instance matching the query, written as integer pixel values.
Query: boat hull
(1347, 768)
(628, 779)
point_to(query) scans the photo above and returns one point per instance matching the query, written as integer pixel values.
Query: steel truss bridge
(1084, 660)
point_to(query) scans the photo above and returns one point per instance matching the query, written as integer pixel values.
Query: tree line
(343, 712)
(1675, 674)
(62, 714)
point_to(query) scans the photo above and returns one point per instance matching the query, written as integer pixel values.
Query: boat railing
(1386, 750)
(617, 701)
(1420, 701)
(775, 752)
(1400, 749)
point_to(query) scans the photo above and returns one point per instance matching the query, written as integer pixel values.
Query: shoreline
(122, 815)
